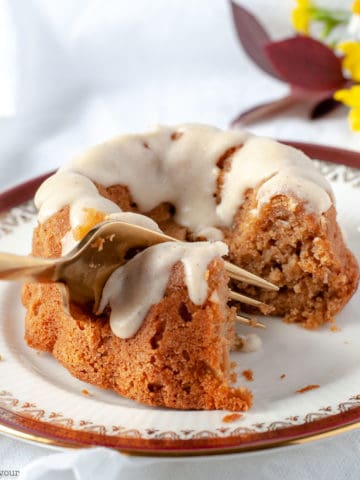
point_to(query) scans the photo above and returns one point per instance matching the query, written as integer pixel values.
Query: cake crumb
(335, 328)
(307, 388)
(238, 343)
(86, 392)
(232, 417)
(248, 374)
(1, 357)
(282, 376)
(176, 135)
(233, 377)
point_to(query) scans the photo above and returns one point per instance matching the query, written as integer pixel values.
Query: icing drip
(285, 182)
(251, 343)
(133, 288)
(265, 159)
(211, 233)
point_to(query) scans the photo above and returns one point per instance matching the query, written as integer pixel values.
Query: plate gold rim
(48, 442)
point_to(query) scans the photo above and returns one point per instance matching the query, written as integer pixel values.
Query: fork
(86, 268)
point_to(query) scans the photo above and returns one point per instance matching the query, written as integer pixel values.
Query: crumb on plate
(282, 376)
(307, 388)
(335, 328)
(239, 343)
(86, 392)
(248, 374)
(232, 417)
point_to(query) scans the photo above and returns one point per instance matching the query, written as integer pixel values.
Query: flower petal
(354, 118)
(301, 16)
(351, 61)
(356, 7)
(350, 97)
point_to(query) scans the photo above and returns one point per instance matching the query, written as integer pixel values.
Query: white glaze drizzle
(211, 233)
(286, 183)
(264, 159)
(139, 284)
(158, 169)
(251, 343)
(183, 171)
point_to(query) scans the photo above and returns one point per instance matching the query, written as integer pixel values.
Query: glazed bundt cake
(164, 330)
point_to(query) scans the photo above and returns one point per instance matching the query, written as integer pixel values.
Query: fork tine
(239, 297)
(238, 273)
(234, 271)
(249, 322)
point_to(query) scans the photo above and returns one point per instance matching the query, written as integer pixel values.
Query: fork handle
(25, 267)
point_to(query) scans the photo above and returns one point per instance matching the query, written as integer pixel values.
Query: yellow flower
(301, 16)
(351, 98)
(356, 7)
(351, 61)
(354, 118)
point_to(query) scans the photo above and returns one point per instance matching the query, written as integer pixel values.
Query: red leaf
(306, 63)
(253, 38)
(264, 111)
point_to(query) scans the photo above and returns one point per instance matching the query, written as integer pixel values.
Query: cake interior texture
(301, 254)
(179, 358)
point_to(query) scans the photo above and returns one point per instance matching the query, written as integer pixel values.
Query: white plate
(41, 401)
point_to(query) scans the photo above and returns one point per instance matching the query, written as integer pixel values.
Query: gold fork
(87, 267)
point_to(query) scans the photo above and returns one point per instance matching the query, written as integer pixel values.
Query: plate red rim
(19, 425)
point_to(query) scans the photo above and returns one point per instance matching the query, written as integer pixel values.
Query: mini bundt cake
(164, 329)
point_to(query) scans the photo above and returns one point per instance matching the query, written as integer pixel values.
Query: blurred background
(74, 73)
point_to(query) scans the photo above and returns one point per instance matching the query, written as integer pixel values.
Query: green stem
(325, 14)
(329, 18)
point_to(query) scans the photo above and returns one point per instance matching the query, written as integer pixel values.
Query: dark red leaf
(253, 38)
(312, 96)
(320, 102)
(323, 108)
(306, 63)
(264, 111)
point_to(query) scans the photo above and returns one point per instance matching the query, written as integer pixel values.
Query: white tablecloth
(337, 458)
(76, 72)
